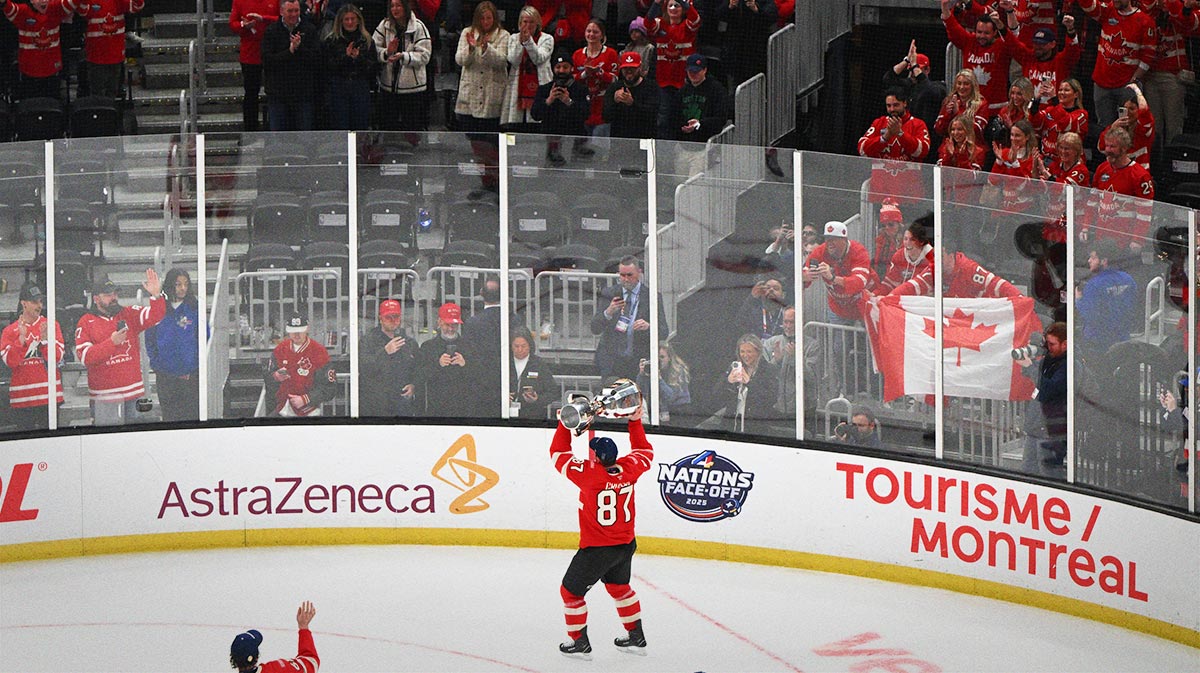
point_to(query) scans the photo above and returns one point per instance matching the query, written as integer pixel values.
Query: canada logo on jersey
(704, 487)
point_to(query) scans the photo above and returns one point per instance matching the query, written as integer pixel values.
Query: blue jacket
(1108, 308)
(172, 343)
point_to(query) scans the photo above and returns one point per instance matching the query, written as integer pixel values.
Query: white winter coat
(484, 75)
(539, 53)
(407, 73)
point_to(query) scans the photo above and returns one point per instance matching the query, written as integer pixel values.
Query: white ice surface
(411, 608)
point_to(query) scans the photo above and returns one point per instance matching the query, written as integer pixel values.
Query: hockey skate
(634, 641)
(581, 648)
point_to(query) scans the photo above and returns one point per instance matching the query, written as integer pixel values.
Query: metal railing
(783, 82)
(377, 284)
(565, 302)
(1154, 328)
(462, 285)
(270, 296)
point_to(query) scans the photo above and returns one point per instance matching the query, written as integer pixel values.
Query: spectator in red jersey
(1063, 114)
(1127, 48)
(911, 269)
(899, 137)
(1014, 165)
(960, 148)
(1043, 63)
(1135, 117)
(966, 101)
(39, 56)
(248, 20)
(243, 653)
(24, 347)
(104, 43)
(985, 52)
(1019, 106)
(607, 541)
(106, 342)
(1067, 168)
(298, 377)
(1123, 200)
(567, 32)
(1032, 15)
(890, 237)
(595, 66)
(963, 277)
(674, 26)
(1164, 84)
(845, 268)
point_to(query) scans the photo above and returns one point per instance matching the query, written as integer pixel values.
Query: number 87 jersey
(606, 497)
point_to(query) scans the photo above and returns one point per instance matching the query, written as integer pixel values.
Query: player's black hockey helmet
(243, 653)
(605, 450)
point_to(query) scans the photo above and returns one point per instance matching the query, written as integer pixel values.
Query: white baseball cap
(835, 229)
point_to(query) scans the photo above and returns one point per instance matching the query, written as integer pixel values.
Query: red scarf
(527, 80)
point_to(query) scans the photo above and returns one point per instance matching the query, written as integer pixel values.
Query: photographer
(1051, 395)
(750, 389)
(1175, 419)
(860, 431)
(562, 106)
(443, 373)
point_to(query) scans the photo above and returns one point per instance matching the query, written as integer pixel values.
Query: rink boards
(705, 498)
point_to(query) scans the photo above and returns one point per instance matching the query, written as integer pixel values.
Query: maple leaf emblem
(982, 75)
(959, 331)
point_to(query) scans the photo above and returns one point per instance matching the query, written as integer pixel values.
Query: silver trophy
(619, 400)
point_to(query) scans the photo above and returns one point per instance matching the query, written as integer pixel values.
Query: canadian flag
(978, 335)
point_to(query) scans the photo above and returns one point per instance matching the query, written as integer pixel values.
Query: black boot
(580, 648)
(634, 641)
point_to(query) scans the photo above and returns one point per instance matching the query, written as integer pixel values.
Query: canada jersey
(27, 359)
(607, 508)
(105, 35)
(970, 279)
(115, 370)
(306, 660)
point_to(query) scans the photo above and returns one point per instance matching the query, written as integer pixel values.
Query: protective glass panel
(1131, 375)
(867, 374)
(22, 256)
(124, 229)
(577, 211)
(1003, 280)
(283, 198)
(726, 266)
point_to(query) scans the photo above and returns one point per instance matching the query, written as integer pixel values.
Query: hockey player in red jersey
(963, 277)
(606, 537)
(106, 342)
(243, 653)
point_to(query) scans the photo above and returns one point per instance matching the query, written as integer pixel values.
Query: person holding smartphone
(750, 389)
(106, 342)
(388, 366)
(1135, 117)
(445, 375)
(562, 106)
(349, 55)
(530, 378)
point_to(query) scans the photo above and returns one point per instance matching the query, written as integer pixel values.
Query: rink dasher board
(705, 498)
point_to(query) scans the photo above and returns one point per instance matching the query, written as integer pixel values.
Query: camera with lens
(996, 131)
(1030, 352)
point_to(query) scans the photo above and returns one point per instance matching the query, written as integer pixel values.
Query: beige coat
(539, 53)
(484, 74)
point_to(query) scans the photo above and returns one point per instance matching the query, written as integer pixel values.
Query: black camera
(841, 430)
(996, 131)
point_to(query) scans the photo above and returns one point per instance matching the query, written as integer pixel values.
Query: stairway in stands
(164, 72)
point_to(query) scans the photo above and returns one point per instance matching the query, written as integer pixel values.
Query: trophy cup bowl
(619, 400)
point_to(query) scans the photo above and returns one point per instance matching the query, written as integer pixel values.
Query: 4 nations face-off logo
(704, 487)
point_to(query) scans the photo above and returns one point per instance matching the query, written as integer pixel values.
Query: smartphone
(736, 365)
(1122, 112)
(121, 324)
(451, 349)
